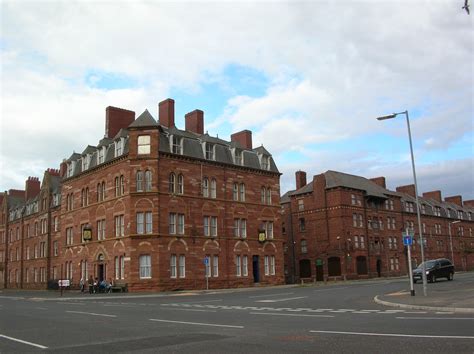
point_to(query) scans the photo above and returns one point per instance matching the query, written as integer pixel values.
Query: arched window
(235, 191)
(87, 196)
(205, 187)
(147, 180)
(172, 183)
(180, 184)
(213, 188)
(262, 195)
(122, 185)
(139, 178)
(103, 191)
(99, 192)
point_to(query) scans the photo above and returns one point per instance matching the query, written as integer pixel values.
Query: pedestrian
(81, 285)
(90, 282)
(96, 285)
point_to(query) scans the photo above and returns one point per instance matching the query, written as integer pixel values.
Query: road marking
(416, 312)
(41, 308)
(257, 296)
(199, 302)
(344, 287)
(24, 342)
(195, 310)
(393, 335)
(279, 300)
(72, 303)
(287, 314)
(444, 313)
(91, 313)
(435, 318)
(196, 323)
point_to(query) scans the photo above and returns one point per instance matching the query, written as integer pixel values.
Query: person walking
(81, 285)
(90, 282)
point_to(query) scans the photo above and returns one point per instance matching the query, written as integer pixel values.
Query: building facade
(152, 206)
(341, 226)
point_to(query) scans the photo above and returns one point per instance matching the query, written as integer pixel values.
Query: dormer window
(85, 162)
(118, 147)
(265, 162)
(70, 167)
(210, 151)
(144, 144)
(100, 155)
(176, 147)
(238, 157)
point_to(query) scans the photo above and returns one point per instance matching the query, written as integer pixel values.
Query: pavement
(456, 297)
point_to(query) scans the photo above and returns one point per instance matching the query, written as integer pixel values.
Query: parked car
(435, 269)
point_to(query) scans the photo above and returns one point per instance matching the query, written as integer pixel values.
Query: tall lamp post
(422, 245)
(451, 238)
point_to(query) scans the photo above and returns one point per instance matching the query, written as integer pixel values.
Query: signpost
(206, 265)
(408, 241)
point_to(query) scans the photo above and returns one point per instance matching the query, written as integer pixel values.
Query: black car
(435, 269)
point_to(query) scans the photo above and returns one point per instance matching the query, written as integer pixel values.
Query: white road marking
(416, 312)
(24, 342)
(435, 318)
(72, 303)
(41, 308)
(279, 300)
(393, 335)
(196, 323)
(91, 313)
(195, 310)
(287, 314)
(444, 313)
(253, 297)
(344, 287)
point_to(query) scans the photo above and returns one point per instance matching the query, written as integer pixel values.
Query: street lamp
(390, 116)
(451, 238)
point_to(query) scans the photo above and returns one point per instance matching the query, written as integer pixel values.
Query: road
(334, 318)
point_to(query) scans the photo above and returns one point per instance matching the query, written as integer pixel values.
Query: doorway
(379, 268)
(256, 272)
(101, 271)
(319, 272)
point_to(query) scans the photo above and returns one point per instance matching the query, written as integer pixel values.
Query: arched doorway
(305, 268)
(361, 264)
(334, 266)
(101, 267)
(379, 267)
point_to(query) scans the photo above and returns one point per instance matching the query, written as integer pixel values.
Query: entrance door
(319, 272)
(379, 268)
(256, 272)
(101, 271)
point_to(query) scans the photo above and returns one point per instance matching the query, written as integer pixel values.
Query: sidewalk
(458, 297)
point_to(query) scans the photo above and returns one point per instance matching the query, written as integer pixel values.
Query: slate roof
(144, 120)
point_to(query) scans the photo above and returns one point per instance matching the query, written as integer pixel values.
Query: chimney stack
(116, 119)
(456, 199)
(409, 189)
(166, 113)
(16, 193)
(244, 138)
(63, 168)
(435, 195)
(32, 187)
(195, 121)
(379, 181)
(300, 179)
(469, 203)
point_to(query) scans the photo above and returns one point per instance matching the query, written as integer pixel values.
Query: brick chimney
(116, 119)
(435, 195)
(32, 187)
(409, 189)
(166, 113)
(379, 181)
(16, 193)
(53, 172)
(63, 168)
(195, 121)
(469, 203)
(300, 179)
(456, 199)
(244, 138)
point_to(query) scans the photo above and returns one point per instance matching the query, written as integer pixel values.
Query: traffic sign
(407, 240)
(206, 261)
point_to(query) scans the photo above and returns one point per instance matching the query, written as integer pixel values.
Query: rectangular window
(267, 265)
(301, 205)
(140, 223)
(180, 224)
(238, 157)
(148, 222)
(206, 226)
(69, 236)
(238, 271)
(118, 148)
(302, 224)
(119, 225)
(213, 226)
(173, 266)
(117, 267)
(182, 266)
(245, 271)
(242, 192)
(272, 265)
(145, 266)
(172, 223)
(235, 192)
(209, 151)
(143, 144)
(215, 266)
(176, 145)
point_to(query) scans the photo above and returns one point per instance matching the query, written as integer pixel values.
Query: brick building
(341, 226)
(150, 205)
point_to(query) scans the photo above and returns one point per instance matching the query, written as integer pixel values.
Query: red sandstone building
(152, 206)
(341, 226)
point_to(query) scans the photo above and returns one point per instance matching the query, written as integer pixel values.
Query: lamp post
(451, 238)
(422, 245)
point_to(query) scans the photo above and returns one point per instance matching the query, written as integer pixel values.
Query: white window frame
(144, 145)
(173, 269)
(145, 266)
(182, 266)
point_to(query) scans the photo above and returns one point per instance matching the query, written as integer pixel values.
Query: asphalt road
(328, 319)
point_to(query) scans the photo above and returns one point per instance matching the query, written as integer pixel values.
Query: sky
(307, 78)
